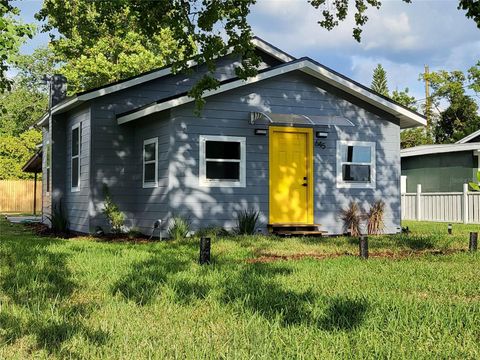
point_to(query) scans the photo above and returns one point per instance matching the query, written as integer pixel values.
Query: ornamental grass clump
(374, 218)
(58, 220)
(247, 222)
(179, 228)
(351, 218)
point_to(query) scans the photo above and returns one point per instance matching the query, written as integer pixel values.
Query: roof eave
(408, 118)
(438, 149)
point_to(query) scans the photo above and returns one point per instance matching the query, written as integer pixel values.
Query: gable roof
(408, 118)
(467, 139)
(438, 149)
(84, 96)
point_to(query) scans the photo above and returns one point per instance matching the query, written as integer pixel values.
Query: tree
(21, 109)
(113, 58)
(101, 42)
(34, 67)
(27, 99)
(403, 98)
(204, 30)
(379, 82)
(117, 39)
(408, 137)
(460, 118)
(15, 152)
(13, 34)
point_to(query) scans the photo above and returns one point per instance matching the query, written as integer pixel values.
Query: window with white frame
(75, 156)
(222, 161)
(150, 163)
(356, 164)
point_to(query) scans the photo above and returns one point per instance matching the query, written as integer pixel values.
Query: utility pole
(427, 97)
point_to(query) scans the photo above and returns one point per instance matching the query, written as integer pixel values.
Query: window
(222, 161)
(355, 164)
(75, 159)
(150, 163)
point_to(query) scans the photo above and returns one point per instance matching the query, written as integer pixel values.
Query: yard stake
(204, 250)
(363, 241)
(449, 229)
(472, 246)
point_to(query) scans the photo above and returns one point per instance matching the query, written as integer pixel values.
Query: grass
(81, 298)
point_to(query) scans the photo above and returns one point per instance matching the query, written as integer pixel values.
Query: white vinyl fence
(442, 206)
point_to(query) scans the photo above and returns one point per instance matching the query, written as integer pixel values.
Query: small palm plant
(351, 217)
(474, 186)
(374, 218)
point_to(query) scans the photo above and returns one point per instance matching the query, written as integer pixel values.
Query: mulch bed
(43, 230)
(265, 257)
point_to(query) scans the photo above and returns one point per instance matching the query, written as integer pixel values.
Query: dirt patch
(265, 257)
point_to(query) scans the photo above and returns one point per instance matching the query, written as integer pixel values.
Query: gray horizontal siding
(77, 203)
(228, 114)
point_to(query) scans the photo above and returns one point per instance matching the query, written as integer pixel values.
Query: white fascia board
(438, 149)
(467, 138)
(410, 118)
(149, 77)
(305, 66)
(57, 109)
(186, 99)
(43, 119)
(279, 55)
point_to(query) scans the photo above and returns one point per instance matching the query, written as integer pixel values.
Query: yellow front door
(291, 175)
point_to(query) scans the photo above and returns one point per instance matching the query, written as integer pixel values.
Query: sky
(402, 37)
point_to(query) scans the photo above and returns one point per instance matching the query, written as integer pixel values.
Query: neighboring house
(296, 142)
(442, 167)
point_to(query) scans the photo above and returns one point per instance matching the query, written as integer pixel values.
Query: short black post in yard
(472, 246)
(204, 250)
(363, 241)
(449, 229)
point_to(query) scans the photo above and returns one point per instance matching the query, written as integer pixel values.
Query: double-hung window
(356, 164)
(150, 163)
(222, 161)
(76, 144)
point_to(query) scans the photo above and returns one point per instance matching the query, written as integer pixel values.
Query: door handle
(304, 184)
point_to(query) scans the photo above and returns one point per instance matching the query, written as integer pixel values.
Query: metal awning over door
(300, 119)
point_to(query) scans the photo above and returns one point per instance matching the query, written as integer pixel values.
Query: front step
(295, 229)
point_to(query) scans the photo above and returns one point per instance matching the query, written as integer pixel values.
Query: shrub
(374, 218)
(58, 220)
(247, 222)
(351, 218)
(212, 231)
(115, 217)
(179, 228)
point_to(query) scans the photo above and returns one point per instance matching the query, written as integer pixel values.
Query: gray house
(296, 142)
(441, 167)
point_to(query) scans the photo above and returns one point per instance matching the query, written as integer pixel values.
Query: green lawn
(81, 298)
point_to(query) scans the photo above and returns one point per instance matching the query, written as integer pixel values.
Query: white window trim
(147, 142)
(79, 126)
(373, 174)
(202, 178)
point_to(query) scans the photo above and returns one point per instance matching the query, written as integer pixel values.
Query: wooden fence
(17, 196)
(442, 206)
